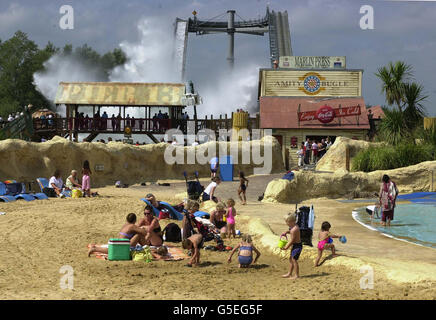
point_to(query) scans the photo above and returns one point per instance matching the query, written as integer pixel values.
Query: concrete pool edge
(354, 214)
(396, 270)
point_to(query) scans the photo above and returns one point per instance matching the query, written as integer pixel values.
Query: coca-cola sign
(325, 114)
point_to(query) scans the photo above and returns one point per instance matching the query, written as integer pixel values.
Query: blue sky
(404, 30)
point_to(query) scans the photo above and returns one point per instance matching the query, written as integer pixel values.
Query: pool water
(412, 222)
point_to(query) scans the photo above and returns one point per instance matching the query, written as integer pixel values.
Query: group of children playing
(246, 247)
(325, 242)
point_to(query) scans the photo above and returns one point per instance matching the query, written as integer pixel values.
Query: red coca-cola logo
(325, 114)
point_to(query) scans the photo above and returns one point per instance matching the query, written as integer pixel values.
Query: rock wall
(334, 159)
(308, 185)
(26, 161)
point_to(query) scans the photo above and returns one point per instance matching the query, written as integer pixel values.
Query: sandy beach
(40, 237)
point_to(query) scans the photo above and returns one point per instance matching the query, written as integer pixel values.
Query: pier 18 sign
(331, 83)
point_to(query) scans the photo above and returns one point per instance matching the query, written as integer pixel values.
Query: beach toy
(238, 232)
(343, 239)
(282, 243)
(330, 240)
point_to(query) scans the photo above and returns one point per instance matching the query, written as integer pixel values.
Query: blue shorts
(245, 260)
(296, 250)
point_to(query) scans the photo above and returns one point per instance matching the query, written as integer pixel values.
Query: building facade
(311, 103)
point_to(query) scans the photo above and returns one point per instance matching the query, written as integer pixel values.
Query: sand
(40, 237)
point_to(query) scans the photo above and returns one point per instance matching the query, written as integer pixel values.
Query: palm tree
(413, 97)
(393, 76)
(392, 128)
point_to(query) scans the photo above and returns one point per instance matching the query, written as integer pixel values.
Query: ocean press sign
(328, 83)
(312, 62)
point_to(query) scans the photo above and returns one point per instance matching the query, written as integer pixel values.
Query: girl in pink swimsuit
(230, 218)
(326, 241)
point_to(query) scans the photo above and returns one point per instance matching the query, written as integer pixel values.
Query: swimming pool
(412, 222)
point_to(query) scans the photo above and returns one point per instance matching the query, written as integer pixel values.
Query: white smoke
(229, 92)
(61, 68)
(150, 60)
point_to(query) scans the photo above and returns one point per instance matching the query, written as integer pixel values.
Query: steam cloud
(150, 60)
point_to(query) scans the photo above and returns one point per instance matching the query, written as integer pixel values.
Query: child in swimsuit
(230, 218)
(246, 248)
(242, 187)
(297, 246)
(325, 241)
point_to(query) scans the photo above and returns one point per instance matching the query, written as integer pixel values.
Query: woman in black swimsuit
(151, 224)
(242, 187)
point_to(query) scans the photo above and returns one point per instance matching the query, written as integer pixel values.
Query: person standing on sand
(387, 198)
(297, 246)
(242, 187)
(86, 179)
(300, 154)
(230, 218)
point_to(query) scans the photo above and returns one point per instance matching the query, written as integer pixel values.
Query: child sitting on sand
(230, 218)
(217, 218)
(245, 256)
(297, 246)
(325, 241)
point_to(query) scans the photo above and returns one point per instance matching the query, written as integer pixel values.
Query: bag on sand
(76, 193)
(172, 233)
(143, 255)
(50, 192)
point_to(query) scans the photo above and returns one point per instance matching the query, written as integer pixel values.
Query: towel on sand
(174, 254)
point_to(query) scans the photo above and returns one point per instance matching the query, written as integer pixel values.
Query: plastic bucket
(282, 243)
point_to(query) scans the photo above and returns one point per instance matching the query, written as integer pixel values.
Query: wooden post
(195, 119)
(68, 122)
(340, 122)
(124, 118)
(347, 158)
(76, 123)
(298, 114)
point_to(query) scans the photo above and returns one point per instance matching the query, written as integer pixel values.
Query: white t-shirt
(314, 146)
(209, 187)
(57, 182)
(300, 153)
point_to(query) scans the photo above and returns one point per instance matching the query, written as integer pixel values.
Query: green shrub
(392, 157)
